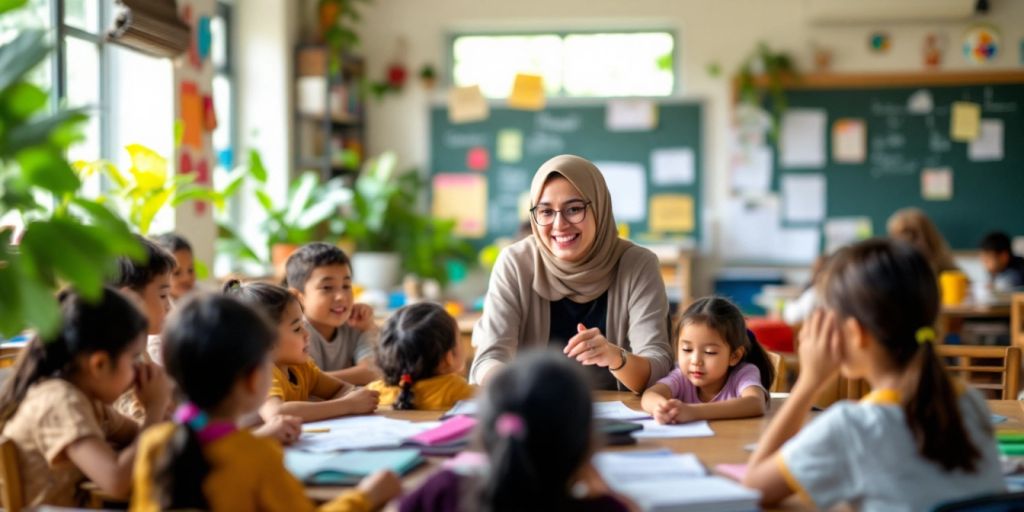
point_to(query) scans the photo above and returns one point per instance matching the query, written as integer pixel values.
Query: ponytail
(413, 343)
(758, 356)
(722, 316)
(181, 470)
(405, 398)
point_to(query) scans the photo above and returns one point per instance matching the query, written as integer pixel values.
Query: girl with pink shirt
(723, 371)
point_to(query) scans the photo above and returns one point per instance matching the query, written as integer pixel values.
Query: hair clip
(189, 414)
(405, 379)
(510, 424)
(924, 335)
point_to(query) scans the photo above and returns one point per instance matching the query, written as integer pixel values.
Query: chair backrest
(1017, 320)
(1006, 502)
(781, 382)
(10, 474)
(986, 368)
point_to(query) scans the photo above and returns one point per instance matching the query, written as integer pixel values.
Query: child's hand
(380, 487)
(362, 317)
(668, 412)
(282, 427)
(821, 348)
(152, 387)
(362, 401)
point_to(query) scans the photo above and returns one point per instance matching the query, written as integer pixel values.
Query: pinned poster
(751, 228)
(803, 138)
(797, 245)
(463, 198)
(510, 145)
(849, 141)
(209, 114)
(803, 197)
(467, 105)
(671, 213)
(752, 169)
(672, 166)
(478, 159)
(842, 231)
(192, 116)
(937, 184)
(965, 121)
(627, 183)
(988, 147)
(203, 37)
(527, 92)
(631, 115)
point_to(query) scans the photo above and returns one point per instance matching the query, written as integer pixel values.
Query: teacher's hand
(590, 347)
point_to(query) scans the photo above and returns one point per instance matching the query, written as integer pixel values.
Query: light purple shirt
(742, 377)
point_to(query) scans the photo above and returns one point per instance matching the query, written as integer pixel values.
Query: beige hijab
(587, 279)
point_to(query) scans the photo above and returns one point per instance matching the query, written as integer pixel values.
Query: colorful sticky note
(463, 198)
(527, 92)
(467, 105)
(510, 145)
(203, 37)
(937, 184)
(849, 141)
(671, 213)
(202, 178)
(478, 159)
(184, 163)
(209, 114)
(965, 122)
(192, 116)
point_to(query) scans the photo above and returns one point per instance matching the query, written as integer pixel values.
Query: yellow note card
(671, 213)
(467, 105)
(463, 198)
(965, 121)
(510, 145)
(527, 92)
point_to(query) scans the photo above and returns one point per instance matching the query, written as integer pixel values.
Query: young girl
(183, 279)
(295, 377)
(420, 357)
(723, 371)
(56, 407)
(916, 440)
(218, 351)
(535, 426)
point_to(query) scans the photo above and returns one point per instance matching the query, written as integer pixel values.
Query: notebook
(449, 438)
(699, 494)
(350, 467)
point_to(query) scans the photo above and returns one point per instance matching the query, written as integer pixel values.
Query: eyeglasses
(573, 213)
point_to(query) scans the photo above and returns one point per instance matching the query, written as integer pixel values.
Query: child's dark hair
(109, 324)
(138, 274)
(722, 316)
(536, 427)
(210, 342)
(890, 288)
(271, 299)
(301, 264)
(412, 345)
(997, 242)
(173, 242)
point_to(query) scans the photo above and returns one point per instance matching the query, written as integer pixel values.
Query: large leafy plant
(776, 67)
(67, 239)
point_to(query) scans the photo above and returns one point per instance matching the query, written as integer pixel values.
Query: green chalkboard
(900, 143)
(578, 129)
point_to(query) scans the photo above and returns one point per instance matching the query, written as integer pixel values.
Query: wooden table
(951, 317)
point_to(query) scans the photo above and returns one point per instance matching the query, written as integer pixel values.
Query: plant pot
(279, 254)
(376, 270)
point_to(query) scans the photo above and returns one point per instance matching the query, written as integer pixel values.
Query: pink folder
(452, 429)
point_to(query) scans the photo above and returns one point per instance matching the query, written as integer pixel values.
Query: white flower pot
(376, 270)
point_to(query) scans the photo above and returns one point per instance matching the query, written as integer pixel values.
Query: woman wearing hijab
(576, 286)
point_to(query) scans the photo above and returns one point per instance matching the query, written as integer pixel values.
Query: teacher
(576, 286)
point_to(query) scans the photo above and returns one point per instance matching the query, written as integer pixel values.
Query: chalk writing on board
(937, 143)
(544, 143)
(512, 180)
(566, 123)
(456, 140)
(992, 106)
(886, 109)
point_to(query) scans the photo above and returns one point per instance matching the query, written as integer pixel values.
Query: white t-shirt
(348, 347)
(864, 454)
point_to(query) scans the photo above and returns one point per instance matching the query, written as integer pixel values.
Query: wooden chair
(986, 368)
(781, 382)
(13, 492)
(1017, 320)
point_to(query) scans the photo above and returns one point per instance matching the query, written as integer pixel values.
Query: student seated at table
(1005, 269)
(183, 279)
(917, 440)
(218, 351)
(421, 358)
(723, 371)
(296, 377)
(536, 427)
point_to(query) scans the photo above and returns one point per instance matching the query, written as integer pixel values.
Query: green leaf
(21, 55)
(233, 186)
(256, 168)
(46, 168)
(71, 251)
(150, 207)
(119, 238)
(202, 271)
(299, 196)
(42, 312)
(23, 99)
(195, 194)
(39, 131)
(8, 5)
(265, 201)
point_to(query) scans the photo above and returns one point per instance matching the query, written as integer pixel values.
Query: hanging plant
(337, 19)
(776, 67)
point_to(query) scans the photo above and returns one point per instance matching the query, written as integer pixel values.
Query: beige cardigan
(514, 315)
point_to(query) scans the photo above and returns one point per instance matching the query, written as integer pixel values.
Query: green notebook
(348, 468)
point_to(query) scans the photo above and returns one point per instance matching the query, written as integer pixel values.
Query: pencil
(316, 430)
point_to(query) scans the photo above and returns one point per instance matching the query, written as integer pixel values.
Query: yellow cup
(953, 285)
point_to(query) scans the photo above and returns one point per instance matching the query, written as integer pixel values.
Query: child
(536, 428)
(343, 333)
(218, 351)
(150, 282)
(913, 226)
(296, 377)
(183, 280)
(421, 359)
(915, 441)
(723, 371)
(56, 405)
(1005, 270)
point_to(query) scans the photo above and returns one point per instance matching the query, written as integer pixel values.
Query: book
(449, 438)
(350, 467)
(699, 494)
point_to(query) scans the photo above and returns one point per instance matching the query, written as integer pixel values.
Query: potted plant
(776, 67)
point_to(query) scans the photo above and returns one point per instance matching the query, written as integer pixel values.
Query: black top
(566, 315)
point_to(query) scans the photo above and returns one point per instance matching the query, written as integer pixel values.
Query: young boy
(1006, 271)
(342, 334)
(183, 279)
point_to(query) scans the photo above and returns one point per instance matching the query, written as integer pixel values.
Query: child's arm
(360, 401)
(750, 403)
(655, 397)
(286, 429)
(363, 373)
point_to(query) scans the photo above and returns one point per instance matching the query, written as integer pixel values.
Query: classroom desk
(951, 318)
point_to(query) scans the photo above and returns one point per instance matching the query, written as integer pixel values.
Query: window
(573, 64)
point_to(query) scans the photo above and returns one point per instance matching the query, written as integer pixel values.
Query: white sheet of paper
(750, 228)
(632, 466)
(937, 184)
(359, 432)
(840, 231)
(797, 245)
(627, 182)
(462, 407)
(654, 430)
(631, 115)
(849, 141)
(617, 411)
(803, 197)
(672, 166)
(803, 138)
(988, 147)
(701, 493)
(752, 169)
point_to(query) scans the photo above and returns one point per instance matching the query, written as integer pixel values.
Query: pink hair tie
(510, 424)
